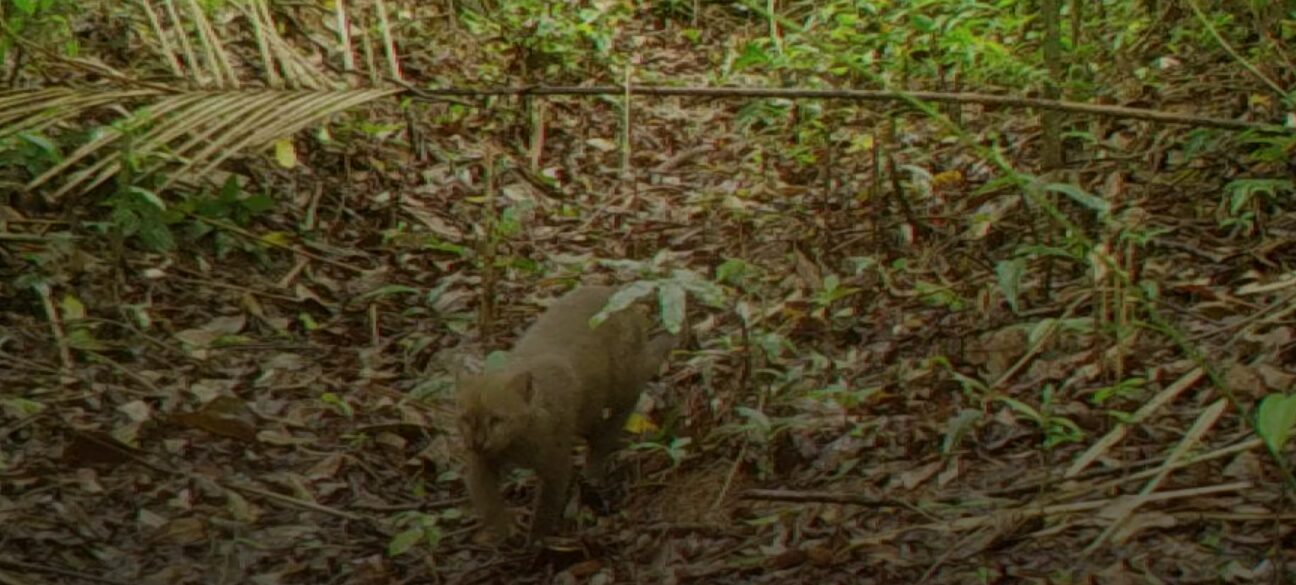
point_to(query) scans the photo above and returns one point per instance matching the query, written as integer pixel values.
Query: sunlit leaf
(285, 153)
(639, 424)
(149, 197)
(623, 298)
(72, 308)
(280, 238)
(704, 290)
(673, 306)
(1275, 420)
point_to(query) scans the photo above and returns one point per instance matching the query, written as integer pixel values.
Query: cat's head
(494, 409)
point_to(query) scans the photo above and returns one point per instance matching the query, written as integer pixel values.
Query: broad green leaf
(257, 203)
(622, 299)
(752, 55)
(150, 197)
(674, 305)
(81, 338)
(1275, 420)
(496, 360)
(704, 290)
(1081, 196)
(27, 7)
(734, 271)
(401, 543)
(1010, 273)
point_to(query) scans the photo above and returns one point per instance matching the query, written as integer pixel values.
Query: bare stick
(869, 95)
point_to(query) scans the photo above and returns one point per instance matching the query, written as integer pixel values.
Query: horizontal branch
(863, 95)
(857, 499)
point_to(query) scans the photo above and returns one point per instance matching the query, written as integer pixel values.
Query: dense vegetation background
(1020, 309)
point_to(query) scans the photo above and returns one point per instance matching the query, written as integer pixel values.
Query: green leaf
(337, 403)
(82, 338)
(622, 299)
(704, 290)
(401, 543)
(126, 221)
(1242, 191)
(1023, 408)
(44, 144)
(1010, 273)
(20, 407)
(149, 197)
(257, 203)
(757, 417)
(27, 7)
(496, 360)
(1275, 420)
(958, 427)
(734, 271)
(752, 56)
(1080, 196)
(673, 306)
(155, 234)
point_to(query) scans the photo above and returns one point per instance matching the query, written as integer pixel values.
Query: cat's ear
(524, 385)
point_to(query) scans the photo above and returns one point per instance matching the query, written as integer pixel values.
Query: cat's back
(566, 322)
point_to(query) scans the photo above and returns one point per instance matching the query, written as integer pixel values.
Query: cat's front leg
(483, 479)
(554, 469)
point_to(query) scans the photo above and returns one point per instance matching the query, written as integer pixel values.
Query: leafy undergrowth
(951, 389)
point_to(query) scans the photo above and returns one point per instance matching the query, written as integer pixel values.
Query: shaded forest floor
(865, 407)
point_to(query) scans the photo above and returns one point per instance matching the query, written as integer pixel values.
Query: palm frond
(183, 134)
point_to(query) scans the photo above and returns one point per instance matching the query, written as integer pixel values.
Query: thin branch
(868, 95)
(857, 499)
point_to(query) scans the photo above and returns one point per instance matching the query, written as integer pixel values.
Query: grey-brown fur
(563, 381)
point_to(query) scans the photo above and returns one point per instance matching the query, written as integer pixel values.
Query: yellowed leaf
(602, 144)
(277, 238)
(638, 423)
(952, 178)
(285, 153)
(73, 309)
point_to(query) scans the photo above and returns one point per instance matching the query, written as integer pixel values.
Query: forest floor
(865, 407)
